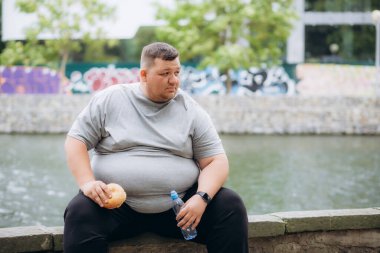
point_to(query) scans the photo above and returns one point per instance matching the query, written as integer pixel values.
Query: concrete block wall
(294, 114)
(231, 114)
(324, 231)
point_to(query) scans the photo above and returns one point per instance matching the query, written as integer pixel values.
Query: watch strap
(206, 198)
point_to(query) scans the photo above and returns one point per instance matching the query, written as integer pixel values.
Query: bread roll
(118, 196)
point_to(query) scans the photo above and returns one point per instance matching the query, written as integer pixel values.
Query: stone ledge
(57, 234)
(265, 225)
(25, 239)
(347, 241)
(327, 220)
(272, 226)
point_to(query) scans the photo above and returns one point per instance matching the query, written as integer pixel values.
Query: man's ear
(143, 75)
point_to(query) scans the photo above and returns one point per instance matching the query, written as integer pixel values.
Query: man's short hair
(159, 50)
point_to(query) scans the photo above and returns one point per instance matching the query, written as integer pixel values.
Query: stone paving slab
(265, 225)
(326, 220)
(355, 219)
(25, 239)
(57, 234)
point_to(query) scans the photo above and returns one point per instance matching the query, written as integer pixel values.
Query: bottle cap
(173, 195)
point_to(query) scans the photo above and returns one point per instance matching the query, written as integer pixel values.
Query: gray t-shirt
(148, 148)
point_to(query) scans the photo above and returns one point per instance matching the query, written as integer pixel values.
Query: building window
(342, 5)
(340, 44)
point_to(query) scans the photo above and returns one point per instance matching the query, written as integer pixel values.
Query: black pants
(89, 228)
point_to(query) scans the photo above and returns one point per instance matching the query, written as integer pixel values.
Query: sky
(130, 15)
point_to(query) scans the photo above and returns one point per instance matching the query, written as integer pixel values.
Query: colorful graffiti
(28, 80)
(96, 79)
(41, 80)
(203, 82)
(273, 81)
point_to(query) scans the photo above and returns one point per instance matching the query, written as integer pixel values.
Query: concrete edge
(34, 238)
(265, 225)
(40, 238)
(327, 220)
(57, 235)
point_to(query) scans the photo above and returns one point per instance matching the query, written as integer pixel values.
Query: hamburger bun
(118, 196)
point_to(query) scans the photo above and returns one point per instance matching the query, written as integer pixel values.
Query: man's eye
(176, 73)
(165, 74)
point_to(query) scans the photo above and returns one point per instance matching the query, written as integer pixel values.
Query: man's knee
(227, 208)
(226, 221)
(80, 208)
(230, 201)
(85, 228)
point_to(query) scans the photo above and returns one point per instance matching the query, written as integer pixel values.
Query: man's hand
(191, 212)
(97, 191)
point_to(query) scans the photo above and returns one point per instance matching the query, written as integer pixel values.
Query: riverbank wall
(294, 115)
(324, 231)
(230, 114)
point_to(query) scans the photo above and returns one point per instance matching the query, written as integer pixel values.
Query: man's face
(161, 80)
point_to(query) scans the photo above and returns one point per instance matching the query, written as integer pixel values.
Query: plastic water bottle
(188, 233)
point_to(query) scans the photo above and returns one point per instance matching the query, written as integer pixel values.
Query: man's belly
(147, 178)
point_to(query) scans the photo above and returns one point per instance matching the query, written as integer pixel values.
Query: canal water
(271, 173)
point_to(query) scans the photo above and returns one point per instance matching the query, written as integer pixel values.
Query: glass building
(333, 31)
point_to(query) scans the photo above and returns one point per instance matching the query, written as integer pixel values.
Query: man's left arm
(214, 172)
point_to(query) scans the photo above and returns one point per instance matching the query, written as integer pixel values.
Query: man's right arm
(79, 164)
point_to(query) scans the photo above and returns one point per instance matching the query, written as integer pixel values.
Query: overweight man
(150, 137)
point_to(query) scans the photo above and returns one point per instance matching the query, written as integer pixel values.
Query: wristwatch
(204, 196)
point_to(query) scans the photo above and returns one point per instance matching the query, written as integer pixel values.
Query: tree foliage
(131, 48)
(228, 34)
(64, 21)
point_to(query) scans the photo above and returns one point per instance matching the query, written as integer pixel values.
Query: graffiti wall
(98, 78)
(28, 80)
(203, 82)
(273, 81)
(41, 80)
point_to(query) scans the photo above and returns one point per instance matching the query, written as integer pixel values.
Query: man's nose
(173, 79)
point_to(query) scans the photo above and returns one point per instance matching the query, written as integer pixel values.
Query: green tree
(2, 44)
(131, 48)
(65, 20)
(97, 51)
(228, 34)
(144, 36)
